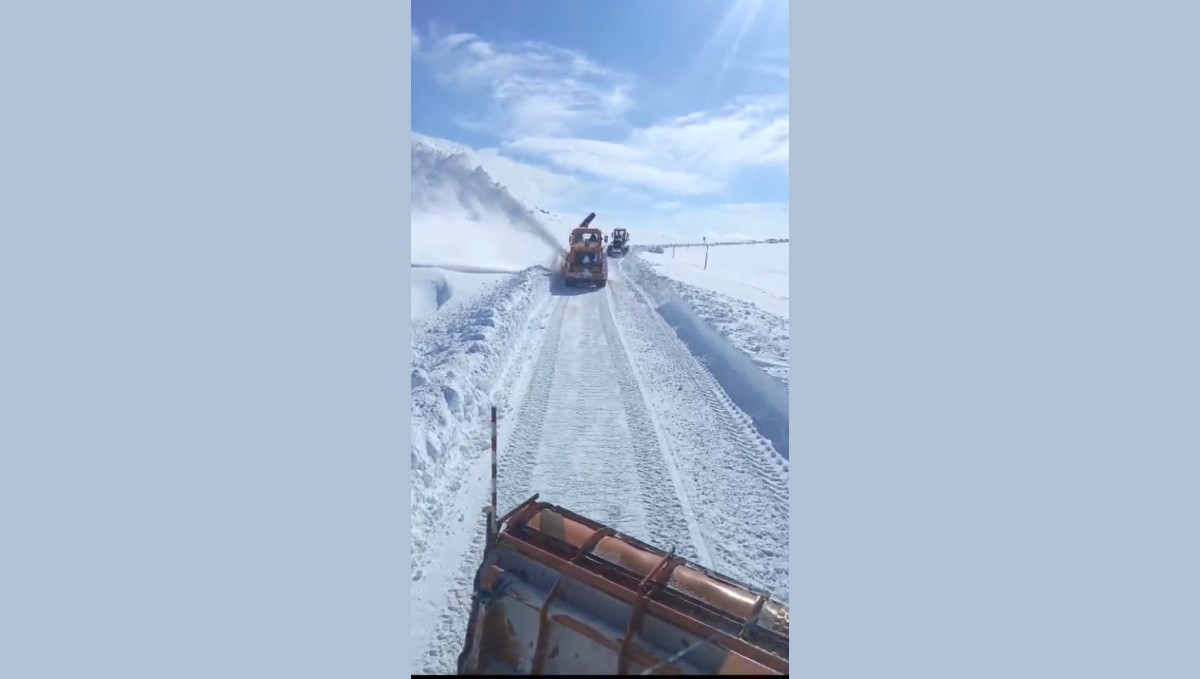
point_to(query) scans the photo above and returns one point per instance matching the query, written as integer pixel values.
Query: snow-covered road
(605, 411)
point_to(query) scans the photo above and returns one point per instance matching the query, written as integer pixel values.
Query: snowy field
(645, 405)
(755, 273)
(743, 294)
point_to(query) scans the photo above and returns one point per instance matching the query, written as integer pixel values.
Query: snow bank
(436, 289)
(467, 230)
(751, 390)
(430, 290)
(458, 356)
(743, 295)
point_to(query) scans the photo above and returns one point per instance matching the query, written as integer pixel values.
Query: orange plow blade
(558, 593)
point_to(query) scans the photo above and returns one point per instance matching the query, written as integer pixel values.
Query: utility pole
(705, 239)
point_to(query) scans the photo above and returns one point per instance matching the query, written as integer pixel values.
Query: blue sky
(670, 115)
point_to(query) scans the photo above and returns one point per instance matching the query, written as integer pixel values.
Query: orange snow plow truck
(585, 261)
(561, 594)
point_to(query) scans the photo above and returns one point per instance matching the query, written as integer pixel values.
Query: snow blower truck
(558, 593)
(619, 243)
(585, 261)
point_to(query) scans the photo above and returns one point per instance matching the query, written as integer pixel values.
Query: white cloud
(689, 155)
(536, 88)
(623, 163)
(548, 104)
(755, 132)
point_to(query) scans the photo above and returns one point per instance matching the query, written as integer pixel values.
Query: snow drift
(458, 358)
(751, 389)
(437, 289)
(742, 294)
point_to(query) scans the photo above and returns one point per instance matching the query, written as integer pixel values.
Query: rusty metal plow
(558, 593)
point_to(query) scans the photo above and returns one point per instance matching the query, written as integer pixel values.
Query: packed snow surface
(622, 403)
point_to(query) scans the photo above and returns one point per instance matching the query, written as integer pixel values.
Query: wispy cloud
(609, 160)
(689, 155)
(750, 132)
(535, 88)
(559, 108)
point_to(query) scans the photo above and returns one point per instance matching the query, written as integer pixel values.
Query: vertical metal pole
(706, 258)
(492, 527)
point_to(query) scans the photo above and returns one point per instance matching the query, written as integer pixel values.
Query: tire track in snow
(703, 556)
(515, 462)
(587, 439)
(733, 477)
(618, 421)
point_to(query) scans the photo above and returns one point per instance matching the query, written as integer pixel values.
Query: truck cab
(585, 261)
(586, 237)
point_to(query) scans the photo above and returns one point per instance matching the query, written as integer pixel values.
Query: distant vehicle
(772, 240)
(619, 244)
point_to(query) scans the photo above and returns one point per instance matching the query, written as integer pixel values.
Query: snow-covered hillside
(630, 404)
(462, 217)
(468, 231)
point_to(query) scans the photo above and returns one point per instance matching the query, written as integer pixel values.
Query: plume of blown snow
(462, 218)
